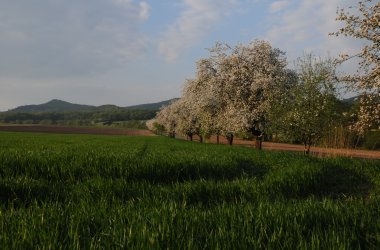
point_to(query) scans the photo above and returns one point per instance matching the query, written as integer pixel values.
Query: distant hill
(351, 100)
(108, 107)
(151, 106)
(53, 106)
(63, 106)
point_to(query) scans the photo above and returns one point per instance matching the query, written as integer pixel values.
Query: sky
(128, 52)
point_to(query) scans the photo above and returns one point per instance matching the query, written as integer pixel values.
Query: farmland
(91, 191)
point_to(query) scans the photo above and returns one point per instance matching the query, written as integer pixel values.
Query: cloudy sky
(127, 52)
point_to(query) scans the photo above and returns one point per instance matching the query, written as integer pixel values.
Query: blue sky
(127, 52)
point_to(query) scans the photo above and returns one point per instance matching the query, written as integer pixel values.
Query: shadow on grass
(338, 182)
(205, 171)
(333, 182)
(20, 195)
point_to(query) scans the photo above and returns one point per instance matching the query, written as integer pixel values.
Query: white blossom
(364, 26)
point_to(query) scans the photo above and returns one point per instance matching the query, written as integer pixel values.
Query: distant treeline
(119, 117)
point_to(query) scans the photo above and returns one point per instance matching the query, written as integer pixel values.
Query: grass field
(87, 191)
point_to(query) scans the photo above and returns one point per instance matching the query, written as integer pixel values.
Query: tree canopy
(232, 92)
(364, 25)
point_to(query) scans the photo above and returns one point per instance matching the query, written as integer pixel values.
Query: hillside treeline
(249, 90)
(116, 117)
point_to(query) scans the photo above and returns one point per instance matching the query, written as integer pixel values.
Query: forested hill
(63, 106)
(57, 112)
(53, 106)
(152, 106)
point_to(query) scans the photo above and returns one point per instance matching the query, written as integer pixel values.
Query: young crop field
(110, 192)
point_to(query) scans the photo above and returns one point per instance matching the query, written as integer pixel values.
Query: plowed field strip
(76, 130)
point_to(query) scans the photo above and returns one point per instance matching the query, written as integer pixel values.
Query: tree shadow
(204, 171)
(338, 182)
(331, 181)
(19, 195)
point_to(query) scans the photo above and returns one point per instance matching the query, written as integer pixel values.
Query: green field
(81, 191)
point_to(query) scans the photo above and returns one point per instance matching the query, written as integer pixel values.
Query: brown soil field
(317, 151)
(74, 130)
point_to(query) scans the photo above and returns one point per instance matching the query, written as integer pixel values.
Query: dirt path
(329, 152)
(367, 154)
(317, 151)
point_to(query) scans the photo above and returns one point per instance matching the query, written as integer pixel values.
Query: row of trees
(248, 88)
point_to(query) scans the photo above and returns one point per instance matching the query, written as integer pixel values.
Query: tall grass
(81, 191)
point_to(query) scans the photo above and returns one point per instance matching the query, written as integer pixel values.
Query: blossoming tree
(251, 77)
(310, 106)
(364, 25)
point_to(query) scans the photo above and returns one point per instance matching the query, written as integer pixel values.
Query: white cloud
(194, 22)
(123, 2)
(278, 6)
(63, 38)
(144, 10)
(306, 26)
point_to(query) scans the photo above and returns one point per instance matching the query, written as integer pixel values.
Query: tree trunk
(172, 134)
(306, 150)
(217, 139)
(230, 139)
(259, 142)
(200, 138)
(190, 137)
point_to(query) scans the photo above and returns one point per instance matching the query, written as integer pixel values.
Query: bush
(372, 140)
